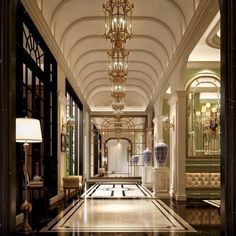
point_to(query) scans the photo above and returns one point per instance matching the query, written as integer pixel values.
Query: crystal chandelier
(118, 104)
(209, 118)
(118, 28)
(118, 20)
(118, 91)
(118, 61)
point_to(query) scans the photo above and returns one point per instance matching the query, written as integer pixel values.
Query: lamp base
(26, 208)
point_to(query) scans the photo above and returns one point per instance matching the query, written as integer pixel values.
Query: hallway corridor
(106, 214)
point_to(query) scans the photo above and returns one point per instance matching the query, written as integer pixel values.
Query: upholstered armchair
(73, 182)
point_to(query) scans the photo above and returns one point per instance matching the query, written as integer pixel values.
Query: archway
(117, 159)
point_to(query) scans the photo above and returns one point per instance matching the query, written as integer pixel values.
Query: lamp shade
(28, 130)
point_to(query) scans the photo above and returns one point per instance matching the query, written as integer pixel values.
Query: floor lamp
(27, 131)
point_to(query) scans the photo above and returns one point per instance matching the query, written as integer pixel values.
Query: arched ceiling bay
(158, 28)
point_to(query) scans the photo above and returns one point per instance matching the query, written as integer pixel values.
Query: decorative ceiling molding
(213, 40)
(136, 73)
(204, 14)
(42, 26)
(164, 34)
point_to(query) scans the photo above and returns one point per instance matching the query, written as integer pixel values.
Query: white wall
(117, 156)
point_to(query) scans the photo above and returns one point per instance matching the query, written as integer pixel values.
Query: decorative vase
(161, 150)
(135, 160)
(147, 156)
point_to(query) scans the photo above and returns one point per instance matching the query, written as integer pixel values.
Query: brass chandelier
(118, 62)
(118, 28)
(118, 104)
(118, 20)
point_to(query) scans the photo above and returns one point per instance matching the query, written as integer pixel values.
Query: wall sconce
(69, 124)
(167, 124)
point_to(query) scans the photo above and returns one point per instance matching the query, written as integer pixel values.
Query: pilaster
(177, 149)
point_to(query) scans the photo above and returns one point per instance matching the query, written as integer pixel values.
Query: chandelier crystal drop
(118, 91)
(118, 104)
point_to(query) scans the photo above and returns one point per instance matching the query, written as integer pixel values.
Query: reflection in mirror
(204, 117)
(117, 158)
(116, 146)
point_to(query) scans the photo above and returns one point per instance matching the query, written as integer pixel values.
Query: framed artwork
(63, 142)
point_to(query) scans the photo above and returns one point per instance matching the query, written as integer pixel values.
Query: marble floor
(94, 214)
(215, 203)
(118, 215)
(117, 190)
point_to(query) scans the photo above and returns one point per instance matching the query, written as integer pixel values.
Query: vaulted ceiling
(161, 29)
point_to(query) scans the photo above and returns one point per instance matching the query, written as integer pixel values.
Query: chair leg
(65, 194)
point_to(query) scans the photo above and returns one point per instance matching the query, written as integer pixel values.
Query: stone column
(177, 149)
(147, 168)
(160, 175)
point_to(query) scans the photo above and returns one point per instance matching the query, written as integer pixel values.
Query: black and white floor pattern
(215, 203)
(118, 190)
(96, 213)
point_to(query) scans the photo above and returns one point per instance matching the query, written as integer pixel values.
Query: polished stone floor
(122, 216)
(117, 190)
(118, 215)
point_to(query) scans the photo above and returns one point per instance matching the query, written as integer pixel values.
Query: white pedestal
(161, 182)
(135, 171)
(147, 176)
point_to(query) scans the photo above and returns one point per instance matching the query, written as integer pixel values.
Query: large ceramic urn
(161, 150)
(147, 156)
(135, 160)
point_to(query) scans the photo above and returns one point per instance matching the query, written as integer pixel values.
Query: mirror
(204, 117)
(116, 146)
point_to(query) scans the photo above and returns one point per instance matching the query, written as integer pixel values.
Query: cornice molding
(203, 64)
(213, 40)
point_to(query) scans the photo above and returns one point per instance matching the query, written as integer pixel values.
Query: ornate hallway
(128, 209)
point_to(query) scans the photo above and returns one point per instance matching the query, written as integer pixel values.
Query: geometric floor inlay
(117, 190)
(118, 215)
(215, 203)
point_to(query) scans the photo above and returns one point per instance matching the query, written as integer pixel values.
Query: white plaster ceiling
(158, 30)
(208, 47)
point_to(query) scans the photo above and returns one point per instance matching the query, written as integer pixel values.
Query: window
(74, 159)
(36, 95)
